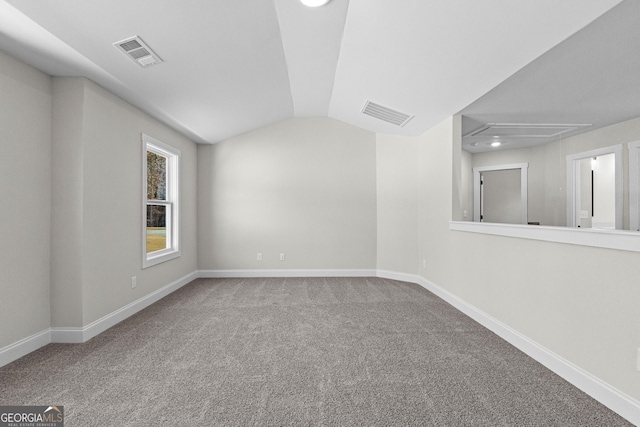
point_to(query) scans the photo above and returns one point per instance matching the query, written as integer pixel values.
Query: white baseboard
(403, 277)
(285, 273)
(79, 335)
(67, 335)
(25, 346)
(617, 401)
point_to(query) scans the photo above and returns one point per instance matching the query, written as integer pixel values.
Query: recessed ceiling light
(314, 3)
(495, 144)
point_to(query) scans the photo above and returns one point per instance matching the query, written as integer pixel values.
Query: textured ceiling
(234, 66)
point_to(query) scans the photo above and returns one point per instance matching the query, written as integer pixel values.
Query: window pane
(156, 176)
(160, 220)
(156, 228)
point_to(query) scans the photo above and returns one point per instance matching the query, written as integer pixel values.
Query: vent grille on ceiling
(386, 114)
(138, 51)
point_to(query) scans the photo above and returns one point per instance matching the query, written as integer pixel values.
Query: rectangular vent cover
(138, 51)
(386, 114)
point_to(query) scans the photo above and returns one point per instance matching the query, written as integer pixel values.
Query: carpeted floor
(298, 351)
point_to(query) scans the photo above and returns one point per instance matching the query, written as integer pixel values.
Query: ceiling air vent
(386, 114)
(138, 51)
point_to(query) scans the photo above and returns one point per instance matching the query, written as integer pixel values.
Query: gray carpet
(306, 351)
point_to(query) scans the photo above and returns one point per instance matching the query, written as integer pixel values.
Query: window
(160, 209)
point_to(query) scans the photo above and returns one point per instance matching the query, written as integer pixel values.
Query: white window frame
(172, 202)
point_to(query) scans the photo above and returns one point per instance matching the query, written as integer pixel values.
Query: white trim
(623, 240)
(25, 346)
(285, 273)
(173, 201)
(573, 183)
(524, 187)
(634, 185)
(393, 275)
(67, 335)
(84, 334)
(614, 399)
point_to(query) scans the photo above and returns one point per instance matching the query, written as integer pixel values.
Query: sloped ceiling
(591, 78)
(234, 66)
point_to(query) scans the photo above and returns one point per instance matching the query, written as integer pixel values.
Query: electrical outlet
(281, 257)
(465, 213)
(638, 361)
(424, 263)
(259, 256)
(584, 214)
(134, 282)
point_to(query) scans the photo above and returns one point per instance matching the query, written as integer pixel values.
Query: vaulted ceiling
(233, 66)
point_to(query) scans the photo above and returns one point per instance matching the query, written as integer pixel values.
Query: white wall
(71, 223)
(397, 181)
(465, 187)
(112, 204)
(25, 191)
(578, 302)
(97, 190)
(67, 203)
(435, 201)
(304, 187)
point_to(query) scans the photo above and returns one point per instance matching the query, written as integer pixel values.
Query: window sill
(597, 238)
(158, 258)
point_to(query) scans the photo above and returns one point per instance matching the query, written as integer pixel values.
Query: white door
(603, 176)
(501, 196)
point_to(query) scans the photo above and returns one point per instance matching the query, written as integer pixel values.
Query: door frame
(634, 185)
(523, 187)
(573, 183)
